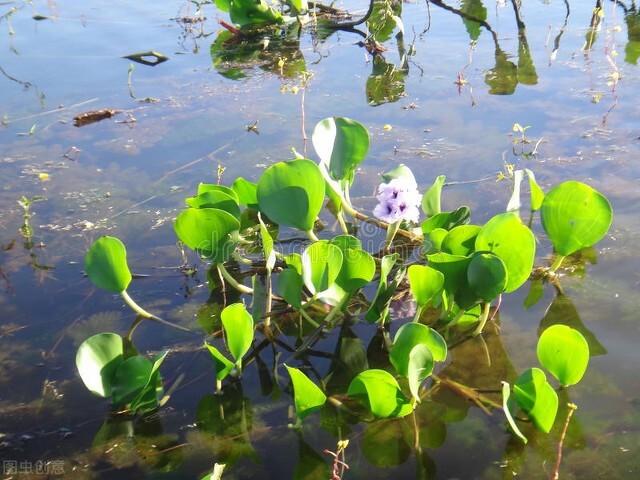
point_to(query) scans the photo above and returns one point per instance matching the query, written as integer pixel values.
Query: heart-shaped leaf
(321, 265)
(358, 266)
(410, 335)
(222, 365)
(106, 264)
(97, 359)
(564, 352)
(460, 240)
(486, 275)
(380, 392)
(342, 144)
(575, 216)
(130, 378)
(507, 237)
(453, 267)
(246, 191)
(214, 187)
(208, 232)
(537, 398)
(537, 194)
(215, 199)
(307, 396)
(292, 193)
(426, 284)
(290, 287)
(238, 328)
(447, 220)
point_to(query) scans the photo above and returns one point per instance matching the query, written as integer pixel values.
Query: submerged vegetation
(455, 271)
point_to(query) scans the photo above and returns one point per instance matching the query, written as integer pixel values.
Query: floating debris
(93, 116)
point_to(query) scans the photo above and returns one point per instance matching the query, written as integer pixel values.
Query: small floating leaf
(342, 144)
(537, 398)
(207, 231)
(575, 216)
(507, 237)
(410, 335)
(292, 193)
(564, 352)
(426, 284)
(97, 359)
(380, 392)
(106, 264)
(238, 327)
(215, 199)
(307, 395)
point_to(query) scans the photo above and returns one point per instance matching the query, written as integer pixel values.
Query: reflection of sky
(76, 57)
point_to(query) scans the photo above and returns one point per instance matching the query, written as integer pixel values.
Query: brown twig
(556, 471)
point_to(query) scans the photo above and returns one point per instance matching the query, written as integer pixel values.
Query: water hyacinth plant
(454, 270)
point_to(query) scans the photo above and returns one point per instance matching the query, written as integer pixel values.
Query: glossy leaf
(420, 366)
(537, 194)
(506, 393)
(208, 232)
(358, 269)
(292, 193)
(267, 245)
(321, 265)
(106, 264)
(537, 398)
(410, 335)
(222, 365)
(426, 284)
(431, 199)
(380, 392)
(290, 287)
(460, 240)
(564, 352)
(507, 237)
(575, 216)
(238, 327)
(453, 267)
(215, 199)
(307, 396)
(487, 276)
(130, 378)
(246, 191)
(447, 220)
(342, 144)
(214, 187)
(97, 359)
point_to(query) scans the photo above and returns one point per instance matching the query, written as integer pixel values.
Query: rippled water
(442, 99)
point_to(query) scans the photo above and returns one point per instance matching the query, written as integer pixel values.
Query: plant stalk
(312, 236)
(144, 314)
(557, 263)
(232, 281)
(483, 319)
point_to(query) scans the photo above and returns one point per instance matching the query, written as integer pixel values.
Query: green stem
(308, 318)
(419, 310)
(342, 223)
(557, 263)
(483, 319)
(144, 314)
(267, 320)
(336, 310)
(232, 281)
(312, 236)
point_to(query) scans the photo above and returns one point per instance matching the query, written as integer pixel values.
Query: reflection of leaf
(311, 465)
(384, 444)
(381, 23)
(527, 74)
(474, 9)
(563, 311)
(386, 82)
(503, 78)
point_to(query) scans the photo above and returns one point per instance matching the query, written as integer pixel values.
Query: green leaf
(346, 241)
(400, 172)
(564, 352)
(267, 245)
(507, 237)
(436, 237)
(290, 287)
(460, 240)
(447, 220)
(253, 12)
(342, 144)
(215, 199)
(487, 275)
(97, 359)
(506, 393)
(379, 308)
(307, 396)
(292, 193)
(358, 269)
(298, 6)
(537, 194)
(130, 378)
(419, 368)
(431, 199)
(537, 398)
(207, 231)
(321, 265)
(222, 365)
(214, 187)
(453, 267)
(246, 191)
(380, 392)
(575, 216)
(410, 335)
(106, 264)
(238, 328)
(426, 284)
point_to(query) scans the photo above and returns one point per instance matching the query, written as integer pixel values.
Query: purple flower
(398, 200)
